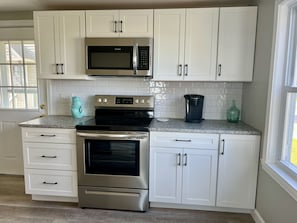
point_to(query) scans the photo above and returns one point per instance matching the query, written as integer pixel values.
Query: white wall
(273, 203)
(169, 100)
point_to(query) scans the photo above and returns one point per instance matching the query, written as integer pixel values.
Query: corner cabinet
(50, 168)
(185, 44)
(205, 44)
(59, 37)
(237, 171)
(183, 168)
(119, 23)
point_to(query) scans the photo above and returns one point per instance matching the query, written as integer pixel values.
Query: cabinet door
(201, 44)
(46, 29)
(136, 23)
(72, 34)
(236, 43)
(237, 172)
(165, 175)
(102, 23)
(169, 36)
(199, 176)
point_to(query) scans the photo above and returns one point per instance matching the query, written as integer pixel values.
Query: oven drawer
(51, 135)
(184, 140)
(50, 156)
(51, 182)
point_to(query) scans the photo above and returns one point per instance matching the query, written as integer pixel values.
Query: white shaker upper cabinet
(59, 37)
(236, 43)
(119, 23)
(185, 44)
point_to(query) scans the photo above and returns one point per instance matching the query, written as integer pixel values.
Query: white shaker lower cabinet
(183, 168)
(50, 163)
(237, 172)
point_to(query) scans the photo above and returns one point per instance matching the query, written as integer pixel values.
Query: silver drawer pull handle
(183, 140)
(52, 157)
(45, 135)
(55, 183)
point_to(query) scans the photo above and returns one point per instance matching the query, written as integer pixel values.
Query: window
(280, 141)
(18, 81)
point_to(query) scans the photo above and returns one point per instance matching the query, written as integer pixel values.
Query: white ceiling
(31, 5)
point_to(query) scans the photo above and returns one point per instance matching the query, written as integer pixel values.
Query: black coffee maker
(194, 107)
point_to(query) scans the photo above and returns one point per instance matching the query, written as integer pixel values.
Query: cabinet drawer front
(49, 135)
(184, 140)
(50, 156)
(51, 182)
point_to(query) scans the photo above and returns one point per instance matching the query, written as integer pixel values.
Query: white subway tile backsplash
(169, 96)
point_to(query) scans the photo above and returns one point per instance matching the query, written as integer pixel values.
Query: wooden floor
(15, 206)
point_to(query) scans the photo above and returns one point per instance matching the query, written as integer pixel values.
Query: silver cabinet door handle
(220, 70)
(115, 26)
(186, 69)
(121, 23)
(185, 159)
(57, 68)
(179, 70)
(223, 147)
(62, 68)
(178, 159)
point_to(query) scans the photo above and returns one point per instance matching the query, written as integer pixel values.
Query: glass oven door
(113, 159)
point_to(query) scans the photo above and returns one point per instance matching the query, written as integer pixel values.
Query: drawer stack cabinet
(50, 163)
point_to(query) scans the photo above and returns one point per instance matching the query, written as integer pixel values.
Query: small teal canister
(76, 108)
(233, 113)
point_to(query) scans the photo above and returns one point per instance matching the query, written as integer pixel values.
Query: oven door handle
(112, 136)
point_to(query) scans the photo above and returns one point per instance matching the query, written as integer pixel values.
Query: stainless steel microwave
(119, 56)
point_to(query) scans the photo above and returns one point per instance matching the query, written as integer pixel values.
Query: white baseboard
(257, 217)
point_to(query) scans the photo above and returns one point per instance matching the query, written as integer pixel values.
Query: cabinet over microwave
(119, 56)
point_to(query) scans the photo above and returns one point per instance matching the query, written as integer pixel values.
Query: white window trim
(272, 138)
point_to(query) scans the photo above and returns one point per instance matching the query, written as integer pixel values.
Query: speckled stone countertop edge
(54, 121)
(172, 125)
(206, 126)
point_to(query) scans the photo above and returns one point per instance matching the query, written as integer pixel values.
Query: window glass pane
(32, 98)
(16, 51)
(18, 79)
(5, 75)
(29, 52)
(31, 79)
(6, 97)
(290, 152)
(19, 98)
(4, 52)
(293, 150)
(17, 73)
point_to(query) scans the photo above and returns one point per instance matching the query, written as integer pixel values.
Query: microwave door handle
(135, 58)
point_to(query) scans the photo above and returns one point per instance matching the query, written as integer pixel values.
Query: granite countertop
(206, 126)
(54, 121)
(172, 125)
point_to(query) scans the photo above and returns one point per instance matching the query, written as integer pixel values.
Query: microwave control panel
(143, 57)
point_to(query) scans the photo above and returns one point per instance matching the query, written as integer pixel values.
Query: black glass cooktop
(118, 120)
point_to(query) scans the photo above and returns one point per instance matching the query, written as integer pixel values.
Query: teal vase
(76, 108)
(233, 113)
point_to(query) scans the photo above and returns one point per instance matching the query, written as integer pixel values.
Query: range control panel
(126, 101)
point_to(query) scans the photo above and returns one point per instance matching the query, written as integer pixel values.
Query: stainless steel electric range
(113, 153)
